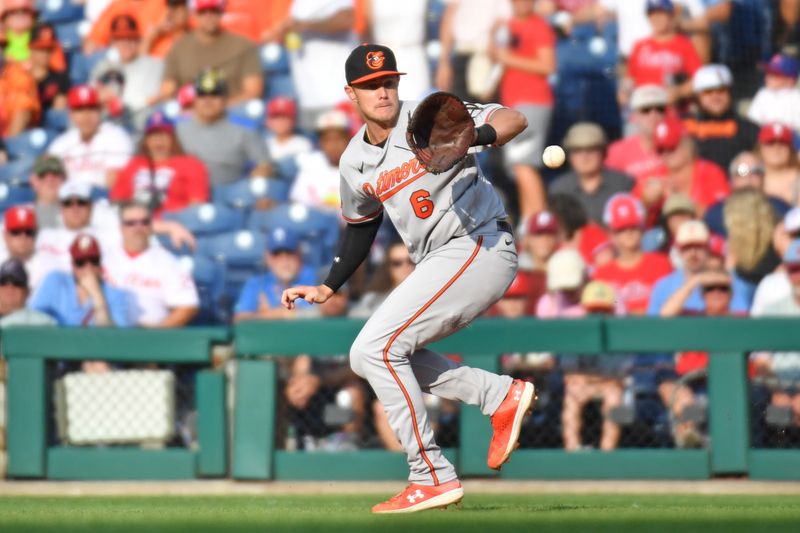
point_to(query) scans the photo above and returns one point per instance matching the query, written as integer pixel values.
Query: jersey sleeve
(179, 287)
(358, 204)
(482, 113)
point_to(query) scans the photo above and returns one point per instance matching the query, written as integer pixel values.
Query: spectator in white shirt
(93, 151)
(283, 141)
(779, 99)
(164, 295)
(317, 182)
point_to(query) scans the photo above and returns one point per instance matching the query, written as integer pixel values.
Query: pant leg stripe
(397, 334)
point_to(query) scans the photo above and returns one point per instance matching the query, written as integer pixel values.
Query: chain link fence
(775, 400)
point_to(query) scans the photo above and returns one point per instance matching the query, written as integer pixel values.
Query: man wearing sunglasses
(80, 298)
(163, 295)
(19, 234)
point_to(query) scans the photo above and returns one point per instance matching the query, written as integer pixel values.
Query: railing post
(254, 419)
(212, 424)
(729, 426)
(27, 415)
(474, 427)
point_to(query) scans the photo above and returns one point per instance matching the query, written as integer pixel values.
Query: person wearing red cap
(209, 46)
(542, 238)
(282, 139)
(632, 272)
(19, 233)
(161, 174)
(80, 298)
(701, 180)
(131, 78)
(781, 163)
(93, 150)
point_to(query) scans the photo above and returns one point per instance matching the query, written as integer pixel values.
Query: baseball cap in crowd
(282, 240)
(84, 247)
(791, 256)
(158, 121)
(566, 270)
(649, 96)
(332, 120)
(75, 189)
(710, 77)
(775, 132)
(791, 220)
(125, 27)
(368, 62)
(783, 65)
(82, 97)
(660, 5)
(43, 37)
(20, 217)
(49, 164)
(598, 297)
(668, 134)
(692, 233)
(17, 5)
(585, 135)
(282, 106)
(679, 202)
(717, 245)
(542, 222)
(13, 271)
(210, 82)
(186, 96)
(623, 211)
(208, 5)
(519, 288)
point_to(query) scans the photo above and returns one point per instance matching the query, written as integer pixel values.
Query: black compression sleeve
(486, 135)
(353, 249)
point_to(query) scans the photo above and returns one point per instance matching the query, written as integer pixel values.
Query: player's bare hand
(318, 294)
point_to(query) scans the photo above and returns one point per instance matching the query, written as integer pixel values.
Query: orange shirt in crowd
(518, 87)
(18, 92)
(146, 12)
(633, 285)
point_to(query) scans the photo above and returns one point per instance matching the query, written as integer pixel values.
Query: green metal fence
(259, 345)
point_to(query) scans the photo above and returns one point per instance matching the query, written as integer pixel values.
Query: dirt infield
(214, 488)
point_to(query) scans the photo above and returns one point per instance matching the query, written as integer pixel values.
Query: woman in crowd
(750, 221)
(781, 165)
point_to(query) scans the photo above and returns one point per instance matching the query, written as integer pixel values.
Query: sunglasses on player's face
(75, 202)
(27, 232)
(80, 263)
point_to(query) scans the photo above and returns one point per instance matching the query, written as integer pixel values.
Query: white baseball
(554, 156)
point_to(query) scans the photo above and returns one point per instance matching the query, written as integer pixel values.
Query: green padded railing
(28, 349)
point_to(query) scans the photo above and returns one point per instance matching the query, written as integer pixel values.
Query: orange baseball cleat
(507, 422)
(420, 497)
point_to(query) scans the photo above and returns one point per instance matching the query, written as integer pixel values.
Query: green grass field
(479, 512)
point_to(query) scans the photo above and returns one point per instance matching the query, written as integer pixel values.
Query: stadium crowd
(166, 163)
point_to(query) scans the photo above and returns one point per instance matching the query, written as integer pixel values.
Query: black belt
(504, 225)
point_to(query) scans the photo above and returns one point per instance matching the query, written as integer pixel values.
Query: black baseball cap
(210, 82)
(14, 271)
(370, 61)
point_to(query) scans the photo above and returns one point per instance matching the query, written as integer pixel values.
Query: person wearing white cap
(317, 181)
(719, 132)
(566, 276)
(692, 242)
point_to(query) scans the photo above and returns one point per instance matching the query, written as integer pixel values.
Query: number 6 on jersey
(422, 204)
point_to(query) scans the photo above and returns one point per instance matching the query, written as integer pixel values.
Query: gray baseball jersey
(428, 210)
(465, 262)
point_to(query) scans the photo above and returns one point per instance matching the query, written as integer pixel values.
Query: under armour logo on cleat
(418, 494)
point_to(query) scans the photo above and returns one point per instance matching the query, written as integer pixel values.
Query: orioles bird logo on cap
(375, 59)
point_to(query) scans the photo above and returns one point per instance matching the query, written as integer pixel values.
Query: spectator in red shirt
(701, 180)
(666, 58)
(161, 175)
(635, 155)
(632, 272)
(528, 60)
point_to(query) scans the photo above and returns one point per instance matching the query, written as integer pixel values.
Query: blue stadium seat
(208, 219)
(28, 144)
(11, 195)
(59, 11)
(17, 172)
(244, 193)
(286, 169)
(318, 231)
(209, 277)
(70, 34)
(249, 114)
(81, 66)
(243, 249)
(436, 10)
(274, 59)
(280, 85)
(56, 120)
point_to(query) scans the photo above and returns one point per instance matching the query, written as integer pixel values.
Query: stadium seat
(81, 66)
(274, 59)
(280, 85)
(56, 120)
(11, 195)
(70, 34)
(59, 11)
(249, 114)
(243, 249)
(28, 144)
(286, 169)
(209, 277)
(17, 172)
(318, 231)
(244, 193)
(208, 219)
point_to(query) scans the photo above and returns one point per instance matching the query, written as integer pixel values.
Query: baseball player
(454, 226)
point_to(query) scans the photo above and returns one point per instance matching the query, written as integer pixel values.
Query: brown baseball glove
(440, 132)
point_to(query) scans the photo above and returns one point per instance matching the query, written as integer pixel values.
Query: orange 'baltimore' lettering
(391, 181)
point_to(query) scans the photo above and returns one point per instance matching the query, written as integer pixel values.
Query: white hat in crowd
(711, 77)
(692, 232)
(649, 96)
(566, 270)
(75, 189)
